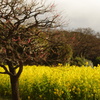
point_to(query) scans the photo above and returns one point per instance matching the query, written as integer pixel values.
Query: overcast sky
(81, 13)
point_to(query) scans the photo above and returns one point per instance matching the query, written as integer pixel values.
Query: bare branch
(3, 73)
(5, 69)
(18, 14)
(20, 69)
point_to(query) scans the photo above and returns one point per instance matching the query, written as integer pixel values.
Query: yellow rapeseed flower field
(56, 83)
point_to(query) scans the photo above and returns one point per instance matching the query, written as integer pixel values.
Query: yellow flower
(40, 96)
(59, 64)
(87, 63)
(28, 97)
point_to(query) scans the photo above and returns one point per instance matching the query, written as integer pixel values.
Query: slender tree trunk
(15, 88)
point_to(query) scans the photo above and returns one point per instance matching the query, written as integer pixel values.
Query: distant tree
(83, 42)
(18, 33)
(98, 34)
(86, 45)
(85, 30)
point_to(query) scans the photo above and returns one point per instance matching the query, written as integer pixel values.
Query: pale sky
(80, 13)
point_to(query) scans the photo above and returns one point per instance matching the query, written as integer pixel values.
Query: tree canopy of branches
(59, 50)
(18, 31)
(86, 44)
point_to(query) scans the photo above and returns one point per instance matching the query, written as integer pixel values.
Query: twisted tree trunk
(14, 80)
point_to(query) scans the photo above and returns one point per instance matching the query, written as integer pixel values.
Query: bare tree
(86, 45)
(18, 30)
(85, 30)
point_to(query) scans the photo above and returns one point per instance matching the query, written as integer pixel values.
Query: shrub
(59, 54)
(97, 61)
(79, 61)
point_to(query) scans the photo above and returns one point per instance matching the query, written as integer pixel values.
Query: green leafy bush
(79, 61)
(97, 61)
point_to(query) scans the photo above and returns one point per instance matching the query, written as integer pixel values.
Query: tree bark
(14, 80)
(14, 88)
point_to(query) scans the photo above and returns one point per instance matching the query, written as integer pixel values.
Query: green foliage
(79, 61)
(97, 61)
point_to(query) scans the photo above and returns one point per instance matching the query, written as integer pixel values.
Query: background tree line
(62, 46)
